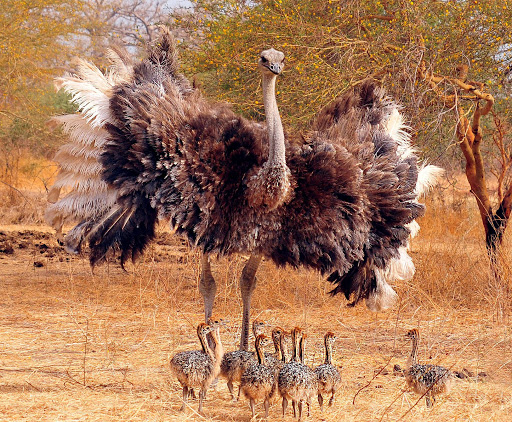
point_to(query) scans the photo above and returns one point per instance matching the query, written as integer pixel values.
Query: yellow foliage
(331, 48)
(35, 37)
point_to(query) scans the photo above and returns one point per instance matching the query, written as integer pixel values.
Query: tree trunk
(469, 138)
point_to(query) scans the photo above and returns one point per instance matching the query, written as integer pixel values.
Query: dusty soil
(78, 345)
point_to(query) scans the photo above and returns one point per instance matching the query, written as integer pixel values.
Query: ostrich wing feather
(370, 126)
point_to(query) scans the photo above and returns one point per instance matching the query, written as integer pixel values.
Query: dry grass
(78, 346)
(23, 196)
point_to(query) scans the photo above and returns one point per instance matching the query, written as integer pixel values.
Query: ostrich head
(330, 337)
(258, 327)
(271, 62)
(215, 323)
(277, 333)
(412, 334)
(203, 329)
(262, 340)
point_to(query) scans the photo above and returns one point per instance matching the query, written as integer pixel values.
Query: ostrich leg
(207, 286)
(247, 286)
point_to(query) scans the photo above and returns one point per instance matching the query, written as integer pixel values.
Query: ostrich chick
(427, 380)
(198, 368)
(235, 363)
(277, 359)
(259, 379)
(329, 377)
(296, 381)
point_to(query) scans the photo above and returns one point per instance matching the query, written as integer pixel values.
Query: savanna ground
(82, 346)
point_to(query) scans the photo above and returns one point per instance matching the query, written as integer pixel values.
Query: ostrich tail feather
(400, 268)
(85, 196)
(428, 177)
(122, 65)
(82, 192)
(365, 281)
(357, 283)
(127, 228)
(76, 236)
(383, 297)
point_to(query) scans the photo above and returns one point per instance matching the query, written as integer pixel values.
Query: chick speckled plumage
(296, 381)
(329, 378)
(236, 362)
(198, 368)
(259, 379)
(426, 379)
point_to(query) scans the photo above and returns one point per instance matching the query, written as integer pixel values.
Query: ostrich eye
(263, 59)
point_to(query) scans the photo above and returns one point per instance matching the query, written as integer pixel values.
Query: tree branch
(469, 136)
(387, 18)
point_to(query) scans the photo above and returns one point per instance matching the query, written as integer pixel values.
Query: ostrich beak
(275, 68)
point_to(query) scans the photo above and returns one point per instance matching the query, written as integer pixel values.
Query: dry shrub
(453, 268)
(22, 206)
(23, 196)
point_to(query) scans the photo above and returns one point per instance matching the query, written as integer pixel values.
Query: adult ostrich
(147, 145)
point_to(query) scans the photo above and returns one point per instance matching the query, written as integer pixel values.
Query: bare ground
(82, 346)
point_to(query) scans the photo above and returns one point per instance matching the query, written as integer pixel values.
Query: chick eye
(263, 59)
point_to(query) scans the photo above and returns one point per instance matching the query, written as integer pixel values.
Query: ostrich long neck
(270, 187)
(277, 348)
(302, 348)
(414, 353)
(260, 353)
(282, 349)
(276, 153)
(328, 352)
(256, 330)
(219, 350)
(217, 353)
(294, 357)
(204, 344)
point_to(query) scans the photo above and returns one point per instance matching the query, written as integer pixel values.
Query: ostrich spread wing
(146, 145)
(368, 123)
